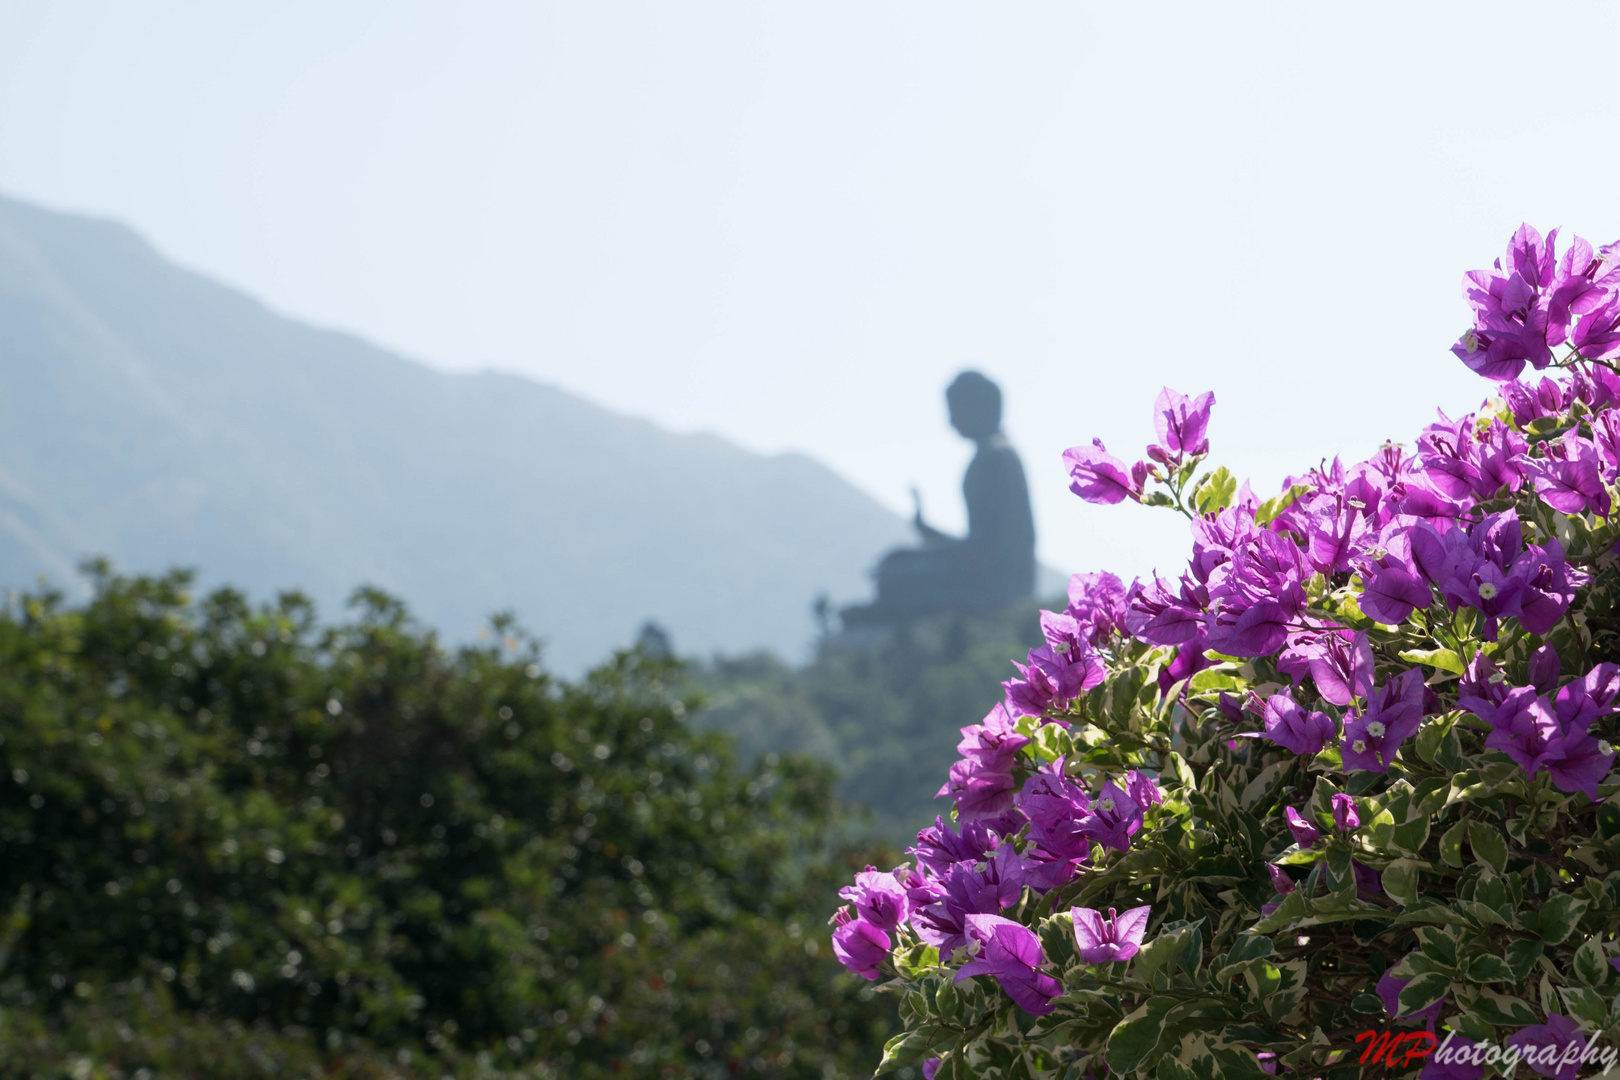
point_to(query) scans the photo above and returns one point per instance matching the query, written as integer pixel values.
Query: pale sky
(791, 225)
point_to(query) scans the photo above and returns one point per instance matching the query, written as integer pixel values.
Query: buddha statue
(994, 564)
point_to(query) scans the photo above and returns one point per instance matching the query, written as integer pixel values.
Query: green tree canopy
(240, 844)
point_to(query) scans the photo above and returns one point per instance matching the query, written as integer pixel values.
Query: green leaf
(1438, 946)
(1591, 965)
(1560, 915)
(1400, 880)
(1488, 968)
(1294, 907)
(1134, 1037)
(1428, 740)
(1172, 1069)
(1367, 1003)
(903, 1049)
(1503, 1009)
(1585, 1004)
(1451, 844)
(1249, 947)
(1216, 492)
(1488, 845)
(1410, 836)
(1440, 659)
(1480, 915)
(1268, 510)
(1521, 954)
(1422, 992)
(1216, 679)
(1161, 953)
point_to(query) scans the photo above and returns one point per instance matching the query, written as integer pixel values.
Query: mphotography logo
(1400, 1049)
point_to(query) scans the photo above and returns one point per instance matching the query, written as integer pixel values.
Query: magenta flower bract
(860, 946)
(1345, 814)
(1098, 476)
(1294, 728)
(879, 898)
(1105, 939)
(1558, 1032)
(1182, 423)
(1011, 953)
(1305, 834)
(1393, 714)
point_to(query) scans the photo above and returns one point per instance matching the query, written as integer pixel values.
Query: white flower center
(1359, 746)
(1487, 591)
(973, 948)
(1605, 747)
(1105, 805)
(1471, 342)
(1376, 729)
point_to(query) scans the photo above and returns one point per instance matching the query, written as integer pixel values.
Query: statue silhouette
(994, 564)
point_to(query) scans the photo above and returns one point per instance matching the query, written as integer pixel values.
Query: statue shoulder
(996, 459)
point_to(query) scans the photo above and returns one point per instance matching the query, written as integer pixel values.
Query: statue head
(975, 404)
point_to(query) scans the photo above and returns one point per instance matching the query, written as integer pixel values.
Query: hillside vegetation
(882, 710)
(236, 845)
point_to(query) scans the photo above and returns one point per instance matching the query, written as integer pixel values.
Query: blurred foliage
(883, 707)
(237, 844)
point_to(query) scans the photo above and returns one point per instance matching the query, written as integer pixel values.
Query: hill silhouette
(157, 417)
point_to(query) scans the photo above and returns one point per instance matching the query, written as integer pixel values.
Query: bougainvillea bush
(1348, 773)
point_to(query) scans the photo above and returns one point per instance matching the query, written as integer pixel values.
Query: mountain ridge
(152, 414)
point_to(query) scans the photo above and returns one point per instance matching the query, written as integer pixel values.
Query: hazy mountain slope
(155, 416)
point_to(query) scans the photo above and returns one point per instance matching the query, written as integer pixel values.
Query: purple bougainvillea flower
(1523, 727)
(1305, 834)
(1568, 478)
(1368, 884)
(1113, 819)
(981, 782)
(859, 945)
(1390, 594)
(1143, 789)
(879, 898)
(1280, 879)
(1346, 816)
(1104, 939)
(1159, 615)
(1098, 476)
(1581, 702)
(1549, 585)
(1097, 603)
(1545, 669)
(1053, 678)
(979, 792)
(993, 742)
(1295, 728)
(1338, 662)
(1453, 1061)
(1259, 631)
(1393, 714)
(1585, 761)
(1389, 991)
(939, 846)
(1011, 953)
(1057, 808)
(1597, 335)
(930, 1068)
(1558, 1032)
(1182, 423)
(970, 889)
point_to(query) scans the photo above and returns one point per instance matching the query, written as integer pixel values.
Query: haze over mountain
(159, 418)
